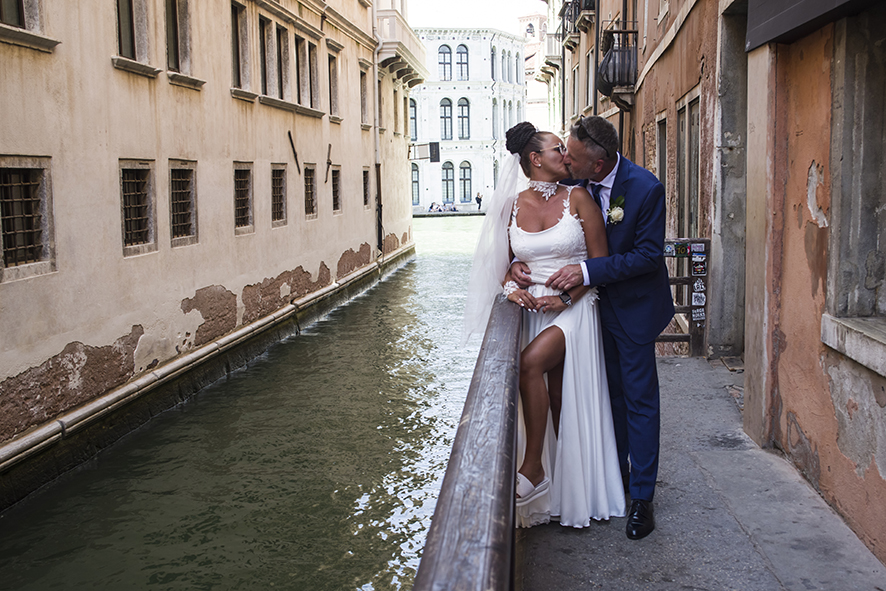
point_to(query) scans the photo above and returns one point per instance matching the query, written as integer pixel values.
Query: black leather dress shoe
(640, 520)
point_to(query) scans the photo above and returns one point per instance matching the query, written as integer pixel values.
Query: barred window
(366, 188)
(21, 212)
(182, 205)
(136, 207)
(242, 197)
(278, 194)
(310, 195)
(336, 190)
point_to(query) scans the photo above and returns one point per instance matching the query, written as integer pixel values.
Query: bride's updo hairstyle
(524, 139)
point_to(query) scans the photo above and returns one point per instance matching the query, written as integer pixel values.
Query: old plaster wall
(101, 318)
(827, 412)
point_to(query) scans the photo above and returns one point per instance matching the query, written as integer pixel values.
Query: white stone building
(177, 177)
(475, 92)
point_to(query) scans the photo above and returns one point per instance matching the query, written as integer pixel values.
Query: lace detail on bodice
(549, 250)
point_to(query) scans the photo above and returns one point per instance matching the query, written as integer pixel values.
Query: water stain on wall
(64, 381)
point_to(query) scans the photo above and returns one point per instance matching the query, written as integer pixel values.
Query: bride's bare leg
(555, 393)
(544, 353)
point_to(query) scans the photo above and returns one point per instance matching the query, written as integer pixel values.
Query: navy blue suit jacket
(634, 273)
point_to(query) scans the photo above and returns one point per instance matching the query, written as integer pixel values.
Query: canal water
(317, 467)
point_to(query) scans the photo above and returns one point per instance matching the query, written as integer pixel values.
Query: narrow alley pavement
(729, 516)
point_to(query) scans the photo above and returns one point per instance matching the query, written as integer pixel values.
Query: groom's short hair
(597, 134)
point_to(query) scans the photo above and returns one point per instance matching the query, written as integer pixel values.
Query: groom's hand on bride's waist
(566, 278)
(520, 274)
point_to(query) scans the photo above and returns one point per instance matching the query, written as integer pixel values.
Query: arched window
(510, 71)
(530, 30)
(495, 174)
(518, 66)
(464, 181)
(415, 195)
(492, 62)
(448, 183)
(462, 62)
(413, 120)
(444, 60)
(446, 119)
(494, 119)
(519, 111)
(504, 66)
(511, 122)
(464, 119)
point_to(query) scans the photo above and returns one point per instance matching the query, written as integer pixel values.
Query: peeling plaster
(814, 180)
(859, 397)
(350, 261)
(391, 243)
(76, 375)
(218, 306)
(261, 299)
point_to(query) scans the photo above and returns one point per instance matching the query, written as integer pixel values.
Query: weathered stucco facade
(816, 347)
(263, 143)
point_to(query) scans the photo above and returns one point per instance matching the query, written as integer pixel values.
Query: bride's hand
(550, 304)
(524, 299)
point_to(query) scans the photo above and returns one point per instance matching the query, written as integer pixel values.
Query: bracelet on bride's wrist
(509, 288)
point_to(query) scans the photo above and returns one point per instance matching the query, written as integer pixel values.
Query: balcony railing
(617, 72)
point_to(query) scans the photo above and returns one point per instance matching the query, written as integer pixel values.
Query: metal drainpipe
(377, 117)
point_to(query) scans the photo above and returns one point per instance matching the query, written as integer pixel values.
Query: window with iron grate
(182, 203)
(136, 206)
(278, 195)
(310, 196)
(365, 188)
(336, 190)
(21, 212)
(242, 197)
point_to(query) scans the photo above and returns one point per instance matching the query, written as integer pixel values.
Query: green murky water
(317, 467)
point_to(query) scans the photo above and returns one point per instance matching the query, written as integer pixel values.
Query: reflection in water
(317, 467)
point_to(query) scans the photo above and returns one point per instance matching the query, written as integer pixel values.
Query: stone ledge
(25, 38)
(861, 339)
(134, 67)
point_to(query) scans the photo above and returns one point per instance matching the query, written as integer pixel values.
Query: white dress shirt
(605, 195)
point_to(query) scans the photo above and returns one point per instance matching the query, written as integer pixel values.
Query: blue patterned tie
(595, 190)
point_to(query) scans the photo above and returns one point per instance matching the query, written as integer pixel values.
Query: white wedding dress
(582, 463)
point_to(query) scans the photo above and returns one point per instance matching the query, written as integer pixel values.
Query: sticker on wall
(698, 299)
(699, 265)
(681, 249)
(698, 285)
(669, 250)
(697, 314)
(697, 247)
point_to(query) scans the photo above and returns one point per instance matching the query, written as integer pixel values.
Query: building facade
(474, 93)
(174, 173)
(764, 121)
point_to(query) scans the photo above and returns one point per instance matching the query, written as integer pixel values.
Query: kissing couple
(584, 259)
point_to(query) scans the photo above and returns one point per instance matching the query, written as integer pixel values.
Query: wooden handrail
(470, 544)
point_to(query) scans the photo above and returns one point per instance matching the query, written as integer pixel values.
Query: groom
(635, 300)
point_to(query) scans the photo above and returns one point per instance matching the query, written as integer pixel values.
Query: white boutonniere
(616, 212)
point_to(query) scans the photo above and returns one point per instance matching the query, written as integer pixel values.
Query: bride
(566, 453)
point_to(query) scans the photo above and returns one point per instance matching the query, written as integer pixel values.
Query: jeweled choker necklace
(547, 189)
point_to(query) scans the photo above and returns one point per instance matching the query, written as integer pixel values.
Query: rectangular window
(137, 208)
(264, 27)
(173, 61)
(282, 61)
(576, 107)
(302, 76)
(312, 64)
(381, 110)
(590, 71)
(396, 112)
(21, 212)
(278, 195)
(182, 203)
(12, 13)
(365, 188)
(310, 195)
(125, 29)
(415, 192)
(406, 118)
(333, 85)
(662, 149)
(336, 190)
(238, 49)
(243, 198)
(688, 169)
(364, 110)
